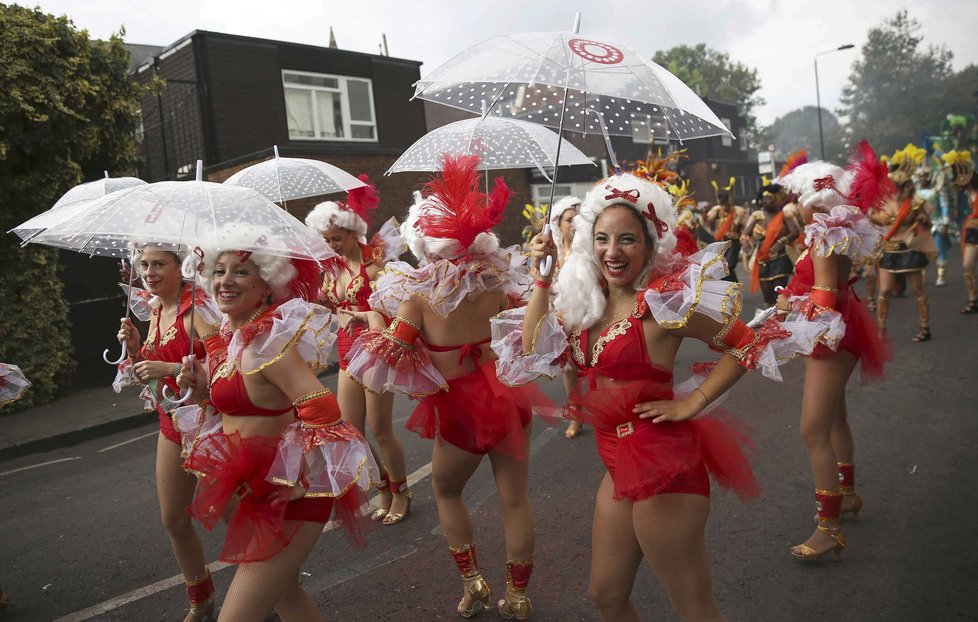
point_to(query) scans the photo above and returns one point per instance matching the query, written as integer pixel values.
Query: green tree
(896, 88)
(68, 111)
(798, 129)
(713, 74)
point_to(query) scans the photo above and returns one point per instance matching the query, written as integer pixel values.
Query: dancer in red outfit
(626, 303)
(276, 479)
(344, 226)
(155, 365)
(465, 279)
(838, 232)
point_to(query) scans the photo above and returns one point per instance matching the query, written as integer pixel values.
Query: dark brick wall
(396, 191)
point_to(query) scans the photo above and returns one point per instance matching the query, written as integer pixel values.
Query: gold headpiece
(657, 168)
(904, 162)
(537, 217)
(961, 165)
(727, 188)
(681, 196)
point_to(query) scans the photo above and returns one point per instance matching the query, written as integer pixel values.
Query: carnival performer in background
(437, 351)
(344, 226)
(156, 364)
(962, 179)
(562, 230)
(942, 217)
(626, 303)
(909, 245)
(724, 220)
(839, 233)
(769, 233)
(283, 461)
(13, 385)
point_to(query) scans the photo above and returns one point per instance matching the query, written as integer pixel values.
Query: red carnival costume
(248, 476)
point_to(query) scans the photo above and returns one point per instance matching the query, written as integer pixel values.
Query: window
(324, 107)
(649, 132)
(742, 138)
(727, 141)
(541, 192)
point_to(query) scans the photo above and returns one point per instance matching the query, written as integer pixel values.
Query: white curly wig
(428, 248)
(801, 183)
(581, 300)
(330, 214)
(275, 270)
(561, 206)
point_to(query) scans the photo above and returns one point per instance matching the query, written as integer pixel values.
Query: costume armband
(402, 332)
(735, 338)
(824, 296)
(318, 408)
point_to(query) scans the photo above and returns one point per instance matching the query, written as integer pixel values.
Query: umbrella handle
(170, 398)
(547, 263)
(122, 356)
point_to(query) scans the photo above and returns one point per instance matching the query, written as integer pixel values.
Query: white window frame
(742, 138)
(725, 139)
(342, 89)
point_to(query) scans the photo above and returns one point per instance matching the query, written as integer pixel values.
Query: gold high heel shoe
(380, 513)
(479, 592)
(516, 605)
(200, 591)
(399, 489)
(807, 553)
(852, 502)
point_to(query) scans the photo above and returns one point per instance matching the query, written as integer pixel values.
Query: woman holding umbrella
(437, 350)
(156, 364)
(283, 461)
(344, 227)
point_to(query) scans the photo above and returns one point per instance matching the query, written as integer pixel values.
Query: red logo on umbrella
(596, 52)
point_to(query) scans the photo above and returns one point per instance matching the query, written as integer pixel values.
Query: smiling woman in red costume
(276, 479)
(437, 350)
(625, 304)
(156, 364)
(344, 227)
(838, 233)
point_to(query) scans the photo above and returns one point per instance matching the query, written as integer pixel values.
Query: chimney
(384, 36)
(332, 38)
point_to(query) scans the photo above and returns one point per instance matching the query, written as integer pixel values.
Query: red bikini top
(358, 289)
(473, 350)
(230, 397)
(172, 344)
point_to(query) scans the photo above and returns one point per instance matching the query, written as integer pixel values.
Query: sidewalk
(72, 419)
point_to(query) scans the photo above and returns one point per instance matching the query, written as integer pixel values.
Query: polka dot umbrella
(499, 142)
(176, 215)
(286, 179)
(564, 80)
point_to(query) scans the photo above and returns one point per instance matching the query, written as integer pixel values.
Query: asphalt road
(80, 537)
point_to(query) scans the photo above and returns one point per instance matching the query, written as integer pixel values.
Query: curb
(73, 437)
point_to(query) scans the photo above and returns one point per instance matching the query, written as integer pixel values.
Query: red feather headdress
(364, 200)
(871, 185)
(455, 209)
(794, 160)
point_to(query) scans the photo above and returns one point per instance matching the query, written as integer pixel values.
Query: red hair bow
(629, 195)
(660, 227)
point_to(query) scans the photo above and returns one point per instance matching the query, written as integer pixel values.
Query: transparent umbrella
(563, 80)
(286, 179)
(13, 384)
(500, 143)
(175, 215)
(72, 202)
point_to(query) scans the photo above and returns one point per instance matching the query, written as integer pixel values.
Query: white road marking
(132, 440)
(165, 584)
(34, 466)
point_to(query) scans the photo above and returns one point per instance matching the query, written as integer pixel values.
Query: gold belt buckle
(625, 429)
(242, 491)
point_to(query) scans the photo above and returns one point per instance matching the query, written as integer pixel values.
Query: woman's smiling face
(622, 247)
(238, 286)
(160, 271)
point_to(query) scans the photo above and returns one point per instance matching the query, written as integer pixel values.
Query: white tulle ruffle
(309, 327)
(388, 239)
(445, 284)
(381, 363)
(13, 384)
(695, 287)
(843, 231)
(547, 355)
(326, 460)
(142, 303)
(195, 423)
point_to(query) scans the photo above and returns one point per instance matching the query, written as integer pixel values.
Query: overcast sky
(780, 39)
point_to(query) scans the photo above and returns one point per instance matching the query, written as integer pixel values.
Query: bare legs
(259, 587)
(570, 380)
(888, 287)
(175, 491)
(824, 429)
(669, 531)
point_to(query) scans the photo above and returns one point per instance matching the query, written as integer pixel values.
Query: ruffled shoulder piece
(310, 328)
(843, 231)
(548, 351)
(387, 244)
(445, 284)
(694, 286)
(13, 384)
(204, 306)
(141, 302)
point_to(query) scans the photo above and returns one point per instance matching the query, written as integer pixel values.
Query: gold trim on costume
(310, 396)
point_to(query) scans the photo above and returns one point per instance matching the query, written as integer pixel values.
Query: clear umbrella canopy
(524, 76)
(178, 214)
(500, 143)
(286, 179)
(72, 202)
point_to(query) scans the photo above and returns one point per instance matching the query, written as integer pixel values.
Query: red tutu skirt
(480, 414)
(646, 459)
(861, 339)
(232, 471)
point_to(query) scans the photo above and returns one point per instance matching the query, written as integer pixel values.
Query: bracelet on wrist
(542, 284)
(176, 370)
(700, 391)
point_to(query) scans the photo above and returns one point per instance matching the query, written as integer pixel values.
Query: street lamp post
(818, 96)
